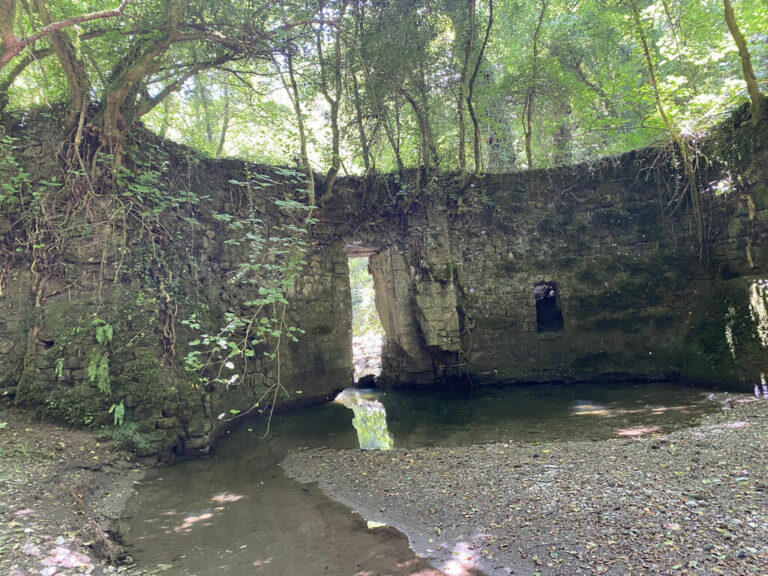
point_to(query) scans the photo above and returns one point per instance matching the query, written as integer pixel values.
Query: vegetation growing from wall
(275, 260)
(90, 233)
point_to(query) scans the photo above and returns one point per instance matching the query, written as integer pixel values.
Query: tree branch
(119, 11)
(16, 71)
(13, 45)
(147, 104)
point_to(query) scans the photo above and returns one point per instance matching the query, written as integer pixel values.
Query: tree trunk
(335, 99)
(527, 128)
(468, 48)
(357, 99)
(382, 116)
(470, 95)
(425, 133)
(673, 130)
(224, 126)
(430, 147)
(202, 96)
(364, 145)
(71, 65)
(295, 97)
(118, 108)
(379, 110)
(562, 137)
(166, 118)
(531, 92)
(393, 137)
(746, 62)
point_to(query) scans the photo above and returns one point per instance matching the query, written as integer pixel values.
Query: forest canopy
(354, 86)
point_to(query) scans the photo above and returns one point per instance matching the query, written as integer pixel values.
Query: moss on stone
(723, 345)
(141, 382)
(78, 404)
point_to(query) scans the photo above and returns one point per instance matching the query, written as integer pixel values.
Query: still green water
(238, 514)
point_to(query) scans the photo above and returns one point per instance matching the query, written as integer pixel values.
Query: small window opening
(549, 317)
(367, 332)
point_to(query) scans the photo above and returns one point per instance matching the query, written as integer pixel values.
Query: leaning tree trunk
(119, 108)
(746, 61)
(72, 66)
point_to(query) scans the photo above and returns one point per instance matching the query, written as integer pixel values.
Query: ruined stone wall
(455, 261)
(146, 283)
(640, 296)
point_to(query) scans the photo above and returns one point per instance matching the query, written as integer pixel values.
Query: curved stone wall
(456, 262)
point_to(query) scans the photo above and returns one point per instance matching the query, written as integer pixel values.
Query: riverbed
(238, 513)
(692, 501)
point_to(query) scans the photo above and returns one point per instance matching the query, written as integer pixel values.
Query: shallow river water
(237, 513)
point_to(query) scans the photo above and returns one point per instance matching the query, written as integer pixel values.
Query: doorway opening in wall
(367, 332)
(549, 317)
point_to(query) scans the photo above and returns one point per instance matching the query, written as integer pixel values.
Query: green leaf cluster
(98, 357)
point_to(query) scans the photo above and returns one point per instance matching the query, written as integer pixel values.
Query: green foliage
(13, 179)
(127, 436)
(118, 411)
(98, 370)
(98, 358)
(76, 405)
(275, 261)
(364, 315)
(141, 379)
(59, 368)
(591, 93)
(400, 66)
(104, 332)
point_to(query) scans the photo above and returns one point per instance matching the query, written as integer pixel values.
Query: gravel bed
(694, 501)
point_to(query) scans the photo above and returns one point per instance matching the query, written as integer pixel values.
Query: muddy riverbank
(59, 491)
(694, 501)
